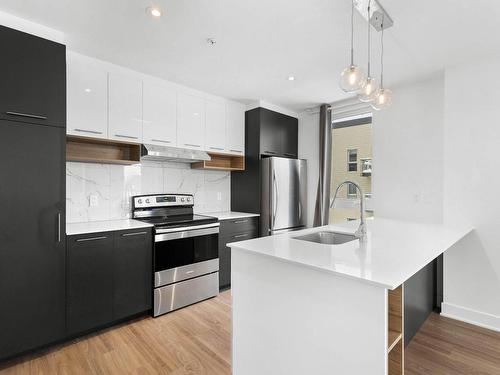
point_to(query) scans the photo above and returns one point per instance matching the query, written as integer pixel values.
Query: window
(352, 192)
(352, 160)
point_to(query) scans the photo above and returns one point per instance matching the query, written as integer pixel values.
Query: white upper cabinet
(190, 121)
(87, 97)
(159, 115)
(125, 108)
(235, 128)
(215, 126)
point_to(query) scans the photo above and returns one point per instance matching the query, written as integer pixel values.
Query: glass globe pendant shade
(383, 99)
(352, 79)
(369, 91)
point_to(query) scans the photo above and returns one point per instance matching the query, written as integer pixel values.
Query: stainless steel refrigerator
(283, 195)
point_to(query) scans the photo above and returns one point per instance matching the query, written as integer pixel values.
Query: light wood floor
(197, 341)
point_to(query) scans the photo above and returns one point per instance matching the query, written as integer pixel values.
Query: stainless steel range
(186, 255)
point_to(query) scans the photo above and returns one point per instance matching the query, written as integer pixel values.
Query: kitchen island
(302, 307)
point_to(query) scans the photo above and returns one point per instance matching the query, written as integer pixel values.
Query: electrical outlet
(93, 200)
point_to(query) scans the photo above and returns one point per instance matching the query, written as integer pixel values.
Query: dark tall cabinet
(32, 192)
(33, 79)
(267, 133)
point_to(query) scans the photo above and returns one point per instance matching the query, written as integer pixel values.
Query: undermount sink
(327, 238)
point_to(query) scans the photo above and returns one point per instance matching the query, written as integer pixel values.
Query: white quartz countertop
(229, 215)
(104, 226)
(393, 252)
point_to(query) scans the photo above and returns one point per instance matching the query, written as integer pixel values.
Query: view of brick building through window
(351, 160)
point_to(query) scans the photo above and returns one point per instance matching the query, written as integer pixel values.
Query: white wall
(471, 185)
(309, 149)
(408, 154)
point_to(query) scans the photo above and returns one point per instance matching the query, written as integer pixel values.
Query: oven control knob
(139, 201)
(147, 200)
(182, 199)
(189, 199)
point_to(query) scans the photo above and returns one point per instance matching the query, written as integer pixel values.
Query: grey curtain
(321, 212)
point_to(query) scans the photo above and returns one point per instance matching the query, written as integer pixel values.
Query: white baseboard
(478, 318)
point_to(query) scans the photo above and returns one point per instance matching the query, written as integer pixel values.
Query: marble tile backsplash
(103, 191)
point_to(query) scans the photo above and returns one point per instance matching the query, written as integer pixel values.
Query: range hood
(172, 154)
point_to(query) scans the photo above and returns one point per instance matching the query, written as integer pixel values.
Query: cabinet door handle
(292, 155)
(240, 221)
(133, 234)
(241, 235)
(238, 151)
(29, 115)
(161, 140)
(91, 239)
(58, 227)
(216, 148)
(125, 136)
(87, 131)
(270, 152)
(191, 145)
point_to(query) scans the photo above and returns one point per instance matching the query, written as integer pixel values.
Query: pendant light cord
(382, 55)
(352, 32)
(369, 38)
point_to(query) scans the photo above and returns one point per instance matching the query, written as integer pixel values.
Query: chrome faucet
(361, 231)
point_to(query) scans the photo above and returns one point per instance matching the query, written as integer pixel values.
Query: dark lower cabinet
(420, 299)
(109, 278)
(89, 281)
(32, 240)
(132, 273)
(233, 230)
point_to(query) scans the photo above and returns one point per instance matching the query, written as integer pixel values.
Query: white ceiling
(261, 42)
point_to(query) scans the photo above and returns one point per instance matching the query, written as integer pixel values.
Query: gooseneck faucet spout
(361, 231)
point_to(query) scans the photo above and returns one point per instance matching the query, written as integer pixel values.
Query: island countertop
(393, 251)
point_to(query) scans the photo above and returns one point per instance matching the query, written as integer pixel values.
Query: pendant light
(368, 92)
(383, 97)
(352, 78)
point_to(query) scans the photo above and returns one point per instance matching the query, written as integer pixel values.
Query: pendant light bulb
(369, 92)
(352, 78)
(383, 99)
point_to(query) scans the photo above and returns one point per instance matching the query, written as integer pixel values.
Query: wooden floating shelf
(92, 150)
(222, 162)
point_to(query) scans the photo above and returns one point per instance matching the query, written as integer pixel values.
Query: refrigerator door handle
(58, 227)
(300, 211)
(275, 199)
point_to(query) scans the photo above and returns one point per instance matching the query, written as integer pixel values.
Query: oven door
(185, 253)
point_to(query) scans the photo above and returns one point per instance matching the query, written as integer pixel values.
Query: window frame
(349, 162)
(349, 194)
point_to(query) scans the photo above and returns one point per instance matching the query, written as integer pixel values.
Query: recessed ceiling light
(154, 11)
(211, 41)
(291, 78)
